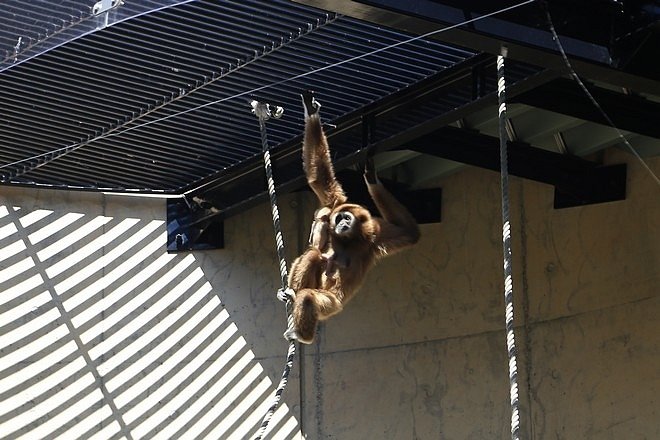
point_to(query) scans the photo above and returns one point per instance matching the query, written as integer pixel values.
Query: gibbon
(345, 241)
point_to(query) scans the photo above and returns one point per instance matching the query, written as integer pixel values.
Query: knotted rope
(506, 243)
(264, 112)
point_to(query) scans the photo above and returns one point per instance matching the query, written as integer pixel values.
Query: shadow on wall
(103, 334)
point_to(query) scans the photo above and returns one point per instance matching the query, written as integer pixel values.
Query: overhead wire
(49, 156)
(45, 158)
(113, 132)
(72, 24)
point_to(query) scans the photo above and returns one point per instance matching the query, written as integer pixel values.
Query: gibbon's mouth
(342, 229)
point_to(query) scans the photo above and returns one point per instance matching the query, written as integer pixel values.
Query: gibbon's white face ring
(344, 223)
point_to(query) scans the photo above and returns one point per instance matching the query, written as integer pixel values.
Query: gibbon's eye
(343, 216)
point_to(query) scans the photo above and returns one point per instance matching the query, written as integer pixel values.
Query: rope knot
(265, 111)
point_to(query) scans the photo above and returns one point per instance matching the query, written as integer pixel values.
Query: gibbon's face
(344, 223)
(347, 222)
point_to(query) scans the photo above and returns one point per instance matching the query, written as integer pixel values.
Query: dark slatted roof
(160, 102)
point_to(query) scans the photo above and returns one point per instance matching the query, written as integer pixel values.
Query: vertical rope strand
(279, 241)
(506, 243)
(263, 112)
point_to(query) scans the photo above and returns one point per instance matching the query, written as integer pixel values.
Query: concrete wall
(102, 333)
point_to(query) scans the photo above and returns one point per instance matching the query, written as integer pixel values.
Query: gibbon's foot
(286, 295)
(291, 335)
(310, 104)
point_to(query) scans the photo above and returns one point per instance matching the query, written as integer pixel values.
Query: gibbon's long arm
(316, 157)
(398, 228)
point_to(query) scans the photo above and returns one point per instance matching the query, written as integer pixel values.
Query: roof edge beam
(523, 43)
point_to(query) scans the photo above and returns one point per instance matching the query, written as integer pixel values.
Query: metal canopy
(612, 41)
(109, 89)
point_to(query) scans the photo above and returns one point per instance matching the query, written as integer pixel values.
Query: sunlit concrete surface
(105, 335)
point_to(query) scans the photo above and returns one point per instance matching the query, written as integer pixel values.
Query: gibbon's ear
(363, 217)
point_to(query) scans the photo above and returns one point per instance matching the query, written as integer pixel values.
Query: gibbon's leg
(306, 270)
(312, 306)
(316, 157)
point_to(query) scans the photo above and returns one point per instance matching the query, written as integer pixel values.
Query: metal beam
(576, 181)
(628, 112)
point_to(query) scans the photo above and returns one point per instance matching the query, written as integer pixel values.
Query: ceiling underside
(153, 97)
(103, 88)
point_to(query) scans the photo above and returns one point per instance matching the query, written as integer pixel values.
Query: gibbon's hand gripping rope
(506, 244)
(264, 112)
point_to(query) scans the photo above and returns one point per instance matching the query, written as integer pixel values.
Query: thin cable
(16, 54)
(577, 79)
(112, 132)
(506, 244)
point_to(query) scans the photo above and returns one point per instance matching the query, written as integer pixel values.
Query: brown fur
(325, 279)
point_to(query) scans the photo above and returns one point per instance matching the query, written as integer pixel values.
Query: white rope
(264, 112)
(506, 244)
